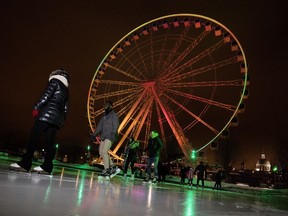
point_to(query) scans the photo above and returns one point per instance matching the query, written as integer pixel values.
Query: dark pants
(217, 185)
(38, 130)
(130, 160)
(200, 178)
(190, 181)
(182, 181)
(152, 160)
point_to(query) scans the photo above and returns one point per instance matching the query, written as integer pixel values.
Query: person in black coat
(183, 175)
(154, 147)
(49, 113)
(218, 180)
(130, 154)
(200, 171)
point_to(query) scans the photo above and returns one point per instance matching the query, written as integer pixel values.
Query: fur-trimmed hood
(60, 78)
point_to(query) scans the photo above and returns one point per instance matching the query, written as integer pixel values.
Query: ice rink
(77, 192)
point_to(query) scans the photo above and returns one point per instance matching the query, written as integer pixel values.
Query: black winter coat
(154, 147)
(53, 105)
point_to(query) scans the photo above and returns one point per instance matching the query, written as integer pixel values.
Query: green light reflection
(47, 192)
(189, 208)
(81, 188)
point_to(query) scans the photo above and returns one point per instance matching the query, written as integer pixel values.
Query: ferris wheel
(184, 75)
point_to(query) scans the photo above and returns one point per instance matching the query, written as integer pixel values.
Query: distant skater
(154, 147)
(130, 155)
(200, 172)
(190, 176)
(218, 180)
(183, 174)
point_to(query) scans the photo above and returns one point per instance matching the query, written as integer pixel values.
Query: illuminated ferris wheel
(184, 75)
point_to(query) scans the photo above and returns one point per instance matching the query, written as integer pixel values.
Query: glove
(92, 138)
(35, 113)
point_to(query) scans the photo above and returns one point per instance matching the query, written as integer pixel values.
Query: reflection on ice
(77, 192)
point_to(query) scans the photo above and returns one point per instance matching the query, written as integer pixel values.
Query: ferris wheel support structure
(174, 125)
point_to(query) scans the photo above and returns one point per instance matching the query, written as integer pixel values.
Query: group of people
(50, 114)
(200, 172)
(107, 129)
(153, 150)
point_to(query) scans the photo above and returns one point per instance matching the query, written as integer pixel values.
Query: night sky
(40, 36)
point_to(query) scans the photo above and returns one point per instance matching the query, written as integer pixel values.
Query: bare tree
(227, 152)
(282, 153)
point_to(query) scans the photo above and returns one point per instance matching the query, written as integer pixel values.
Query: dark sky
(40, 36)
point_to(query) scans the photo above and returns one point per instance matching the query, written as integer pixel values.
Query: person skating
(107, 129)
(50, 114)
(154, 147)
(200, 171)
(162, 171)
(218, 180)
(190, 176)
(130, 154)
(183, 174)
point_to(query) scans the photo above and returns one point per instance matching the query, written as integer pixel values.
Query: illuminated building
(263, 164)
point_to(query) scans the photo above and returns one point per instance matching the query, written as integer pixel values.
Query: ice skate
(147, 179)
(124, 177)
(100, 179)
(132, 178)
(154, 180)
(104, 172)
(104, 175)
(17, 168)
(105, 178)
(114, 171)
(40, 171)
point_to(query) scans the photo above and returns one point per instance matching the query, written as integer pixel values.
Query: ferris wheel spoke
(132, 109)
(136, 62)
(126, 58)
(120, 83)
(132, 114)
(186, 52)
(143, 119)
(189, 126)
(192, 114)
(117, 93)
(126, 73)
(202, 70)
(151, 54)
(219, 83)
(203, 100)
(116, 104)
(174, 50)
(162, 51)
(174, 125)
(193, 123)
(128, 102)
(160, 121)
(142, 60)
(205, 53)
(136, 119)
